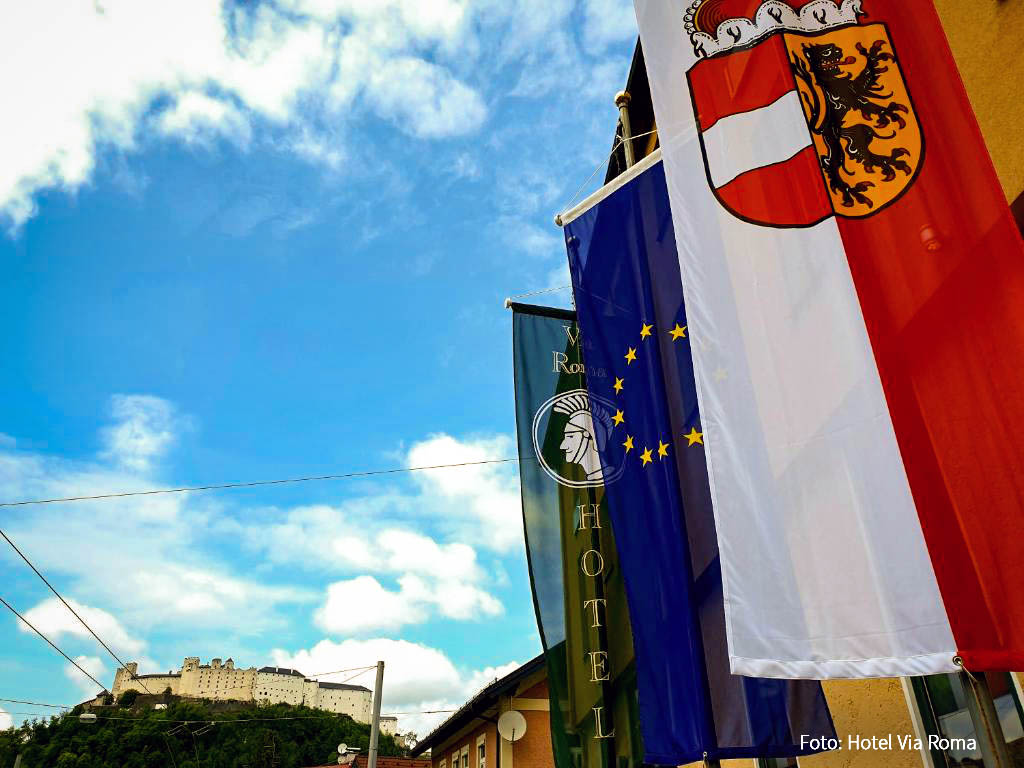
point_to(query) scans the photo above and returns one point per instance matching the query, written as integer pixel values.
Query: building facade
(470, 738)
(222, 681)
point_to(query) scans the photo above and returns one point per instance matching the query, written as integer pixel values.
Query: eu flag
(636, 347)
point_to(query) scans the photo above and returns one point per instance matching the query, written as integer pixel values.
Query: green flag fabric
(577, 584)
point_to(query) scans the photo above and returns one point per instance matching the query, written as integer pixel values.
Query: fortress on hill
(275, 685)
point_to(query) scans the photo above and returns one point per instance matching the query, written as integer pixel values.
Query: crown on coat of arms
(715, 26)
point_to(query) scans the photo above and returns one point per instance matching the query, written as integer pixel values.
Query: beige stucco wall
(867, 708)
(985, 36)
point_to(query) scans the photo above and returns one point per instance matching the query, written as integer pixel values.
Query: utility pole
(371, 760)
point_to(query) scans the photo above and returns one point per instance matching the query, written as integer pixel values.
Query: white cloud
(144, 559)
(146, 427)
(198, 118)
(480, 502)
(606, 22)
(424, 100)
(416, 677)
(90, 75)
(530, 239)
(91, 664)
(54, 620)
(6, 721)
(363, 604)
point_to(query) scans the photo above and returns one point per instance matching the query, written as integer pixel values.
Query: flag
(581, 610)
(637, 355)
(855, 284)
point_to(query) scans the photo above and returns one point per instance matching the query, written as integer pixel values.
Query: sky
(256, 240)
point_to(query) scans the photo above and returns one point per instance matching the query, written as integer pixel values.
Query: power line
(339, 671)
(538, 293)
(36, 703)
(253, 484)
(73, 611)
(421, 712)
(50, 642)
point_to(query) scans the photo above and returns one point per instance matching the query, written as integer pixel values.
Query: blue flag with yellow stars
(636, 349)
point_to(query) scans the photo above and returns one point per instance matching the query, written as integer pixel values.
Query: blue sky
(272, 239)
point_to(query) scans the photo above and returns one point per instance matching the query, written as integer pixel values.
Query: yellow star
(645, 330)
(679, 332)
(662, 449)
(618, 418)
(630, 355)
(645, 457)
(618, 385)
(628, 445)
(694, 437)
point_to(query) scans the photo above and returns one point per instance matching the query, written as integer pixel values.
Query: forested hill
(253, 737)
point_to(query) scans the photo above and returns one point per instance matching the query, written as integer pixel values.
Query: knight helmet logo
(582, 427)
(802, 110)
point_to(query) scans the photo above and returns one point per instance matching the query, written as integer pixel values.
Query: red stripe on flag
(940, 277)
(787, 194)
(740, 81)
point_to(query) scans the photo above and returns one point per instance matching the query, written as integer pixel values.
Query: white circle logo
(586, 426)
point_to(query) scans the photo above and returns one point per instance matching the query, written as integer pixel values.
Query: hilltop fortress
(275, 685)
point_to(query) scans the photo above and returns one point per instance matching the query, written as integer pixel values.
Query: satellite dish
(512, 725)
(342, 748)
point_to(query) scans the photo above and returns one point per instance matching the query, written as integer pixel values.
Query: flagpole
(622, 102)
(982, 709)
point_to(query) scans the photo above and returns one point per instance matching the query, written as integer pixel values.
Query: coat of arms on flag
(803, 111)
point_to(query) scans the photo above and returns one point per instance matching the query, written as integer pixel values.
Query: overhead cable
(73, 611)
(51, 644)
(252, 484)
(36, 703)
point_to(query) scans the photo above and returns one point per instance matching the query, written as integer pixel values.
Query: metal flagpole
(622, 102)
(371, 761)
(982, 709)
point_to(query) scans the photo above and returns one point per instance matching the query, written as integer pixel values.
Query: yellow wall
(985, 36)
(867, 708)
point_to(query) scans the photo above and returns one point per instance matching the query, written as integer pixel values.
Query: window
(942, 702)
(465, 756)
(481, 755)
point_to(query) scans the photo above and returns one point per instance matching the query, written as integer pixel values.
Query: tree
(127, 698)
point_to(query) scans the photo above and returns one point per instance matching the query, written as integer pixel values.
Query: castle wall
(278, 688)
(222, 682)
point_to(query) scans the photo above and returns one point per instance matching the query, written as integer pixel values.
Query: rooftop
(281, 671)
(476, 706)
(344, 687)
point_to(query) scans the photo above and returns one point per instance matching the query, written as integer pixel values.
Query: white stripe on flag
(824, 565)
(740, 143)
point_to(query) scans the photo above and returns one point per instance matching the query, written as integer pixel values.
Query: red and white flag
(855, 288)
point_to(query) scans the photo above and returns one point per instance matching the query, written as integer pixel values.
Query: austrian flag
(854, 285)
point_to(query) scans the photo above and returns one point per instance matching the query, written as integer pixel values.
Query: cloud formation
(417, 677)
(94, 666)
(5, 720)
(292, 74)
(145, 428)
(55, 621)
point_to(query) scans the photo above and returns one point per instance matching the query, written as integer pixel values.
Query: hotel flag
(574, 570)
(651, 453)
(855, 292)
